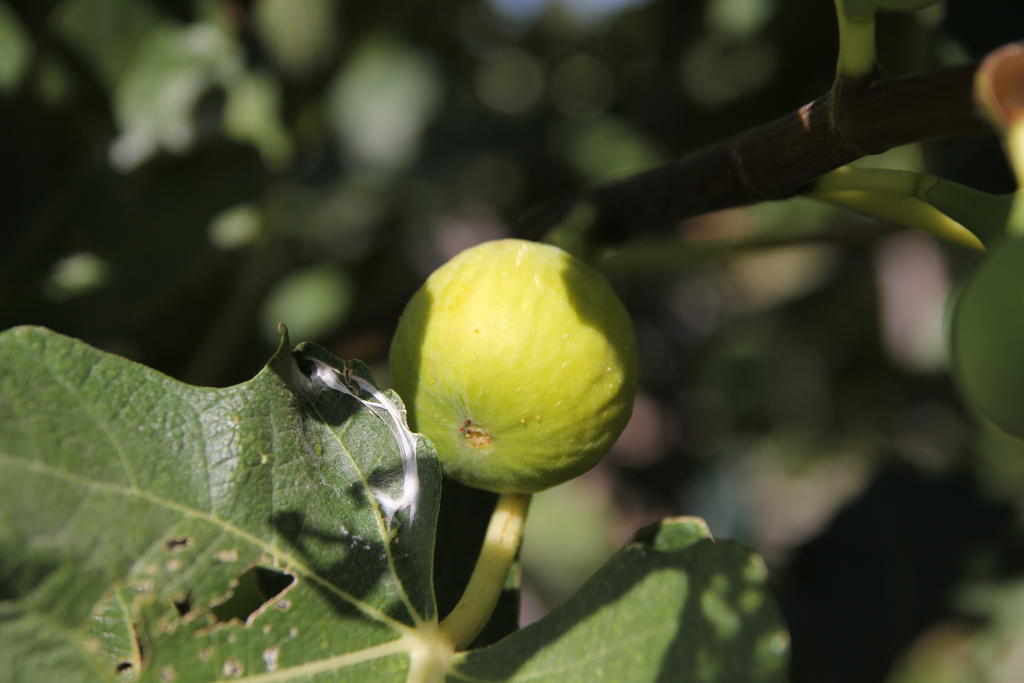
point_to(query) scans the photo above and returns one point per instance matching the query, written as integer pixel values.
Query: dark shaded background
(180, 176)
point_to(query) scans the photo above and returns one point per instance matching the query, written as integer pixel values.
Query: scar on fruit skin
(475, 434)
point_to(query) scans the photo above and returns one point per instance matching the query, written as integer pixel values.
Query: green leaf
(381, 101)
(15, 50)
(675, 606)
(607, 149)
(311, 300)
(252, 114)
(156, 96)
(134, 506)
(676, 533)
(299, 42)
(987, 337)
(108, 34)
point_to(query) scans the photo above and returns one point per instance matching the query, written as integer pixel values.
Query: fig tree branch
(780, 158)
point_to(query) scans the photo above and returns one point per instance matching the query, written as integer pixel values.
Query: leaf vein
(86, 408)
(226, 526)
(379, 517)
(331, 663)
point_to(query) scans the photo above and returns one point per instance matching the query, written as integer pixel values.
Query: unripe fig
(519, 362)
(988, 337)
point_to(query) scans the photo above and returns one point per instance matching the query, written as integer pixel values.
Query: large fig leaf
(150, 527)
(151, 530)
(672, 606)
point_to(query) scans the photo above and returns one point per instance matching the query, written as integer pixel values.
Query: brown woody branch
(780, 158)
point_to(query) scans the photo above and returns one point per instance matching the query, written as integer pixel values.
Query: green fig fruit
(519, 362)
(988, 337)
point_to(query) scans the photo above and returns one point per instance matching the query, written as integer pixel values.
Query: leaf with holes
(151, 527)
(151, 530)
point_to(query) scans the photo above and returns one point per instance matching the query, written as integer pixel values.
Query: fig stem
(501, 543)
(856, 41)
(1014, 143)
(905, 210)
(897, 196)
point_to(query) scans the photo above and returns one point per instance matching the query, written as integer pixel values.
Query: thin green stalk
(908, 211)
(501, 543)
(910, 183)
(572, 232)
(999, 89)
(1013, 141)
(914, 199)
(856, 41)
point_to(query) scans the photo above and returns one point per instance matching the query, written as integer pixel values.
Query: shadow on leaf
(704, 609)
(359, 570)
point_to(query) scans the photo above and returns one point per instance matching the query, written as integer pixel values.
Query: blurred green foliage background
(181, 176)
